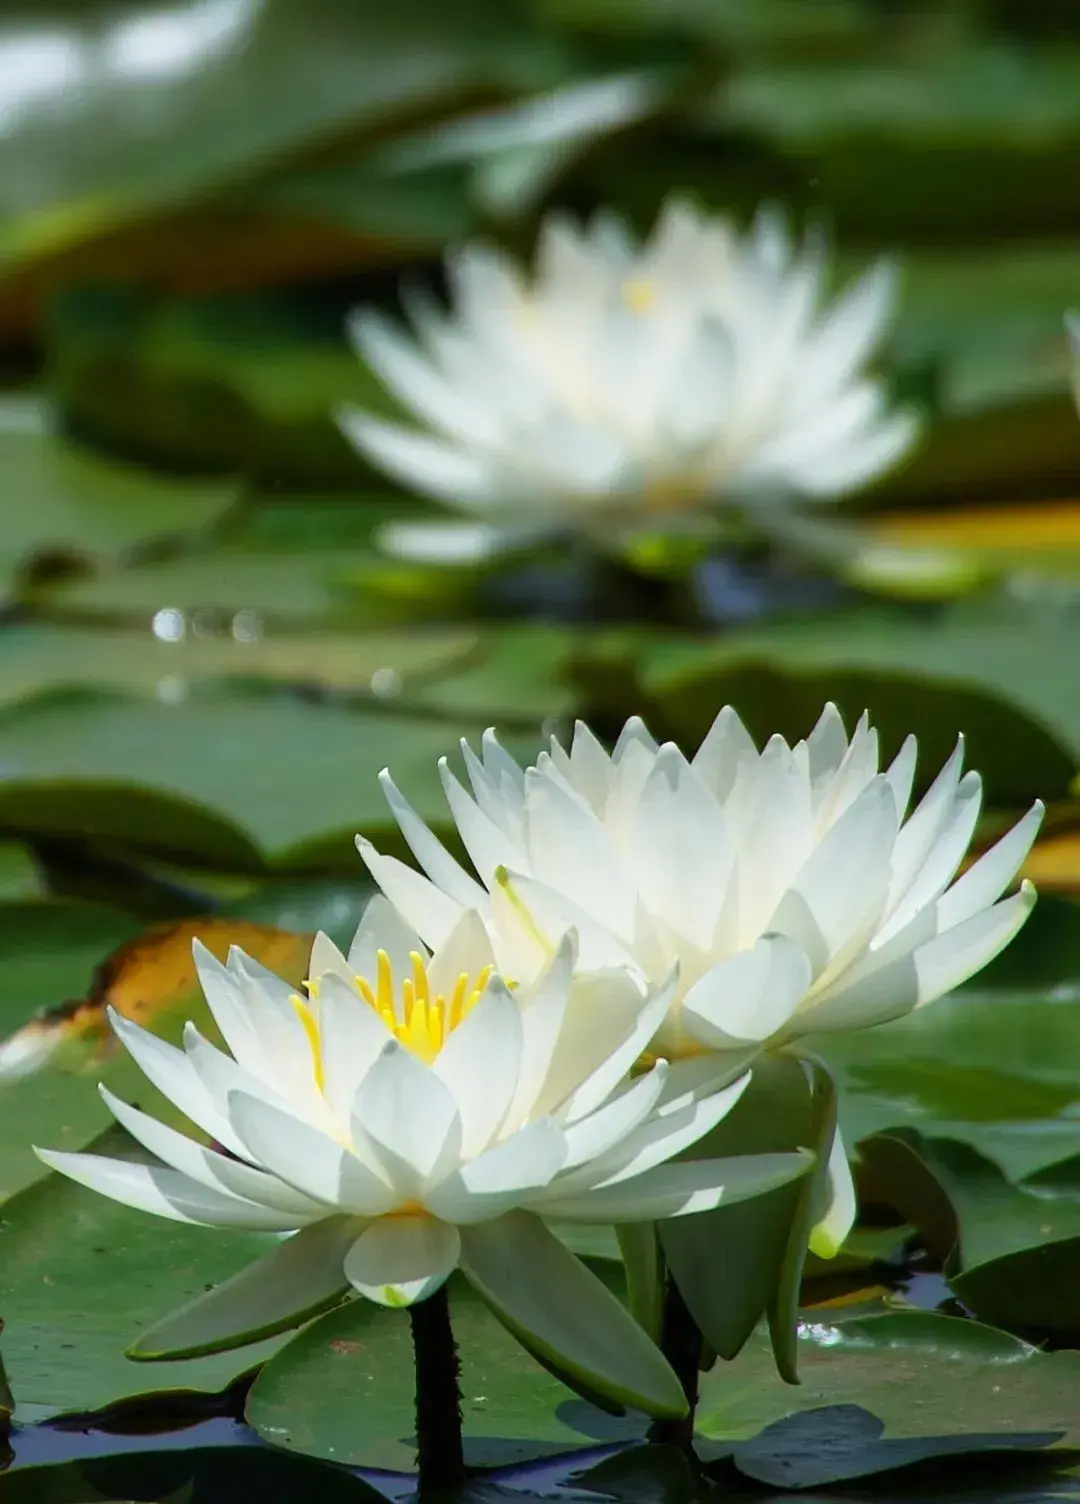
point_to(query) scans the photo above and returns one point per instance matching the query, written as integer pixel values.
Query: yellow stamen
(639, 294)
(314, 1039)
(311, 985)
(422, 1021)
(386, 984)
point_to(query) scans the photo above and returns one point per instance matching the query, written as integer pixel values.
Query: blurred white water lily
(787, 884)
(628, 386)
(413, 1114)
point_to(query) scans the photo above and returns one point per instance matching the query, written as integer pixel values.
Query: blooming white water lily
(628, 386)
(412, 1113)
(786, 884)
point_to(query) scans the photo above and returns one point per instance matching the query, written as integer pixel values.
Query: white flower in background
(786, 884)
(412, 1114)
(628, 386)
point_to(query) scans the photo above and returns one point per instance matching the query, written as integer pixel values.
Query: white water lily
(627, 387)
(786, 884)
(412, 1114)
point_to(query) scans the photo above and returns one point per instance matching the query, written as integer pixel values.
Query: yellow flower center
(420, 1019)
(639, 294)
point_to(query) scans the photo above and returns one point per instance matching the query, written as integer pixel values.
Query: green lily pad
(66, 500)
(1017, 1245)
(910, 1368)
(343, 1390)
(112, 138)
(995, 669)
(218, 777)
(82, 1276)
(42, 657)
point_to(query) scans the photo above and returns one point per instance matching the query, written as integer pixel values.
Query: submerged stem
(681, 1344)
(439, 1453)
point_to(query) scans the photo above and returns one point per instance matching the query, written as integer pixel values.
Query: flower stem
(681, 1344)
(439, 1455)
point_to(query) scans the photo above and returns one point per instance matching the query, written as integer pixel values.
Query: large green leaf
(911, 1368)
(343, 1389)
(1017, 1245)
(179, 652)
(64, 500)
(995, 669)
(82, 1276)
(138, 117)
(218, 777)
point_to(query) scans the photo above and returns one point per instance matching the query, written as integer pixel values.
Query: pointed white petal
(421, 463)
(749, 997)
(727, 748)
(382, 927)
(488, 845)
(674, 1190)
(611, 1023)
(174, 1075)
(208, 1167)
(403, 1108)
(429, 851)
(164, 1192)
(430, 912)
(401, 1260)
(503, 1177)
(596, 1135)
(984, 882)
(352, 1037)
(837, 1217)
(307, 1159)
(480, 1063)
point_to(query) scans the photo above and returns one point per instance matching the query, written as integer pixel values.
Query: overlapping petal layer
(789, 886)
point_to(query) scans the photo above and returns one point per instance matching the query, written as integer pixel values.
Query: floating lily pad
(65, 500)
(994, 669)
(219, 777)
(82, 1276)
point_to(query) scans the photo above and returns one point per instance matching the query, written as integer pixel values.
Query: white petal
(635, 732)
(674, 1190)
(840, 890)
(174, 1075)
(225, 999)
(382, 928)
(411, 1116)
(400, 1260)
(327, 960)
(502, 1178)
(537, 915)
(901, 774)
(352, 1037)
(873, 993)
(421, 463)
(768, 813)
(749, 997)
(727, 748)
(837, 1218)
(562, 1312)
(429, 851)
(682, 854)
(480, 1063)
(951, 842)
(918, 834)
(453, 543)
(570, 850)
(543, 1006)
(430, 912)
(307, 1159)
(609, 1025)
(984, 882)
(488, 846)
(208, 1167)
(166, 1193)
(596, 1135)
